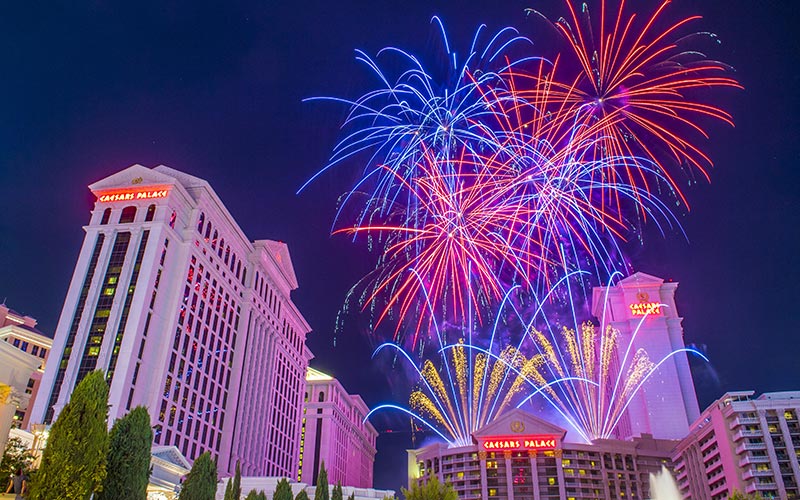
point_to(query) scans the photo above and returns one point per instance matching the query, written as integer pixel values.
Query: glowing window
(151, 213)
(128, 215)
(94, 351)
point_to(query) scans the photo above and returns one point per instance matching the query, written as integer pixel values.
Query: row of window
(229, 258)
(128, 215)
(23, 345)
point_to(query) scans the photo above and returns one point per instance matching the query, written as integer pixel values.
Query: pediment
(641, 279)
(131, 177)
(519, 422)
(172, 455)
(279, 252)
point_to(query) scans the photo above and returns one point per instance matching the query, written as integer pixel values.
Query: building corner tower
(642, 308)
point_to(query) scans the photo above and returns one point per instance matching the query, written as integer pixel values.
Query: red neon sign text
(520, 443)
(150, 193)
(643, 308)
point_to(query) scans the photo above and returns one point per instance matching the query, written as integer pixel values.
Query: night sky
(216, 90)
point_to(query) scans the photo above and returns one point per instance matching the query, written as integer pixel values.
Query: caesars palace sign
(148, 193)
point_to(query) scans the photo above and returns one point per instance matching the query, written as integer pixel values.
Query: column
(484, 479)
(509, 478)
(534, 475)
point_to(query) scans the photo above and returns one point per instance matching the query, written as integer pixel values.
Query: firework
(587, 373)
(497, 171)
(473, 387)
(634, 88)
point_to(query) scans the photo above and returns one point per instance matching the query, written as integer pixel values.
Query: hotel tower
(642, 308)
(188, 317)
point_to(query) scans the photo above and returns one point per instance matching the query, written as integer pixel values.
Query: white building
(188, 317)
(334, 432)
(642, 308)
(742, 443)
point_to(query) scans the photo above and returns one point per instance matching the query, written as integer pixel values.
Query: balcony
(766, 485)
(753, 459)
(751, 473)
(750, 447)
(742, 420)
(744, 433)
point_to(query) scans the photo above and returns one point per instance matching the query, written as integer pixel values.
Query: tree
(321, 492)
(302, 495)
(432, 490)
(389, 497)
(253, 495)
(74, 462)
(201, 482)
(337, 492)
(128, 457)
(233, 490)
(16, 456)
(352, 496)
(283, 491)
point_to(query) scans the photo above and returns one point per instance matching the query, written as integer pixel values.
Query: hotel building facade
(334, 432)
(187, 317)
(521, 457)
(742, 443)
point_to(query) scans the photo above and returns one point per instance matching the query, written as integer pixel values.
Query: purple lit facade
(742, 443)
(188, 317)
(334, 432)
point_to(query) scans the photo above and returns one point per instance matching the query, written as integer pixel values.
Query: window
(24, 347)
(201, 222)
(106, 216)
(128, 215)
(151, 212)
(172, 219)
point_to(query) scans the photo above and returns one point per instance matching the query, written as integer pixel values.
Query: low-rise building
(20, 331)
(521, 457)
(334, 432)
(742, 443)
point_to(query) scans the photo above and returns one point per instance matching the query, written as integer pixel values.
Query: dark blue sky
(215, 90)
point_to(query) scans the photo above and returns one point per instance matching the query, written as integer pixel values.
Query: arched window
(221, 247)
(239, 269)
(233, 262)
(172, 219)
(201, 222)
(208, 231)
(214, 240)
(128, 215)
(227, 254)
(106, 216)
(244, 276)
(151, 212)
(321, 396)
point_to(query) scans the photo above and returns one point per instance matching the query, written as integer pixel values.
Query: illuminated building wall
(20, 331)
(742, 443)
(521, 457)
(334, 431)
(666, 404)
(187, 317)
